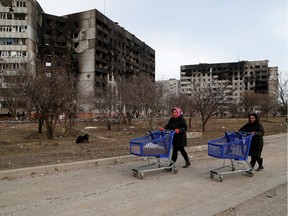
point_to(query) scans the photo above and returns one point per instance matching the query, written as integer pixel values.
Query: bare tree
(266, 104)
(119, 97)
(258, 102)
(53, 92)
(131, 109)
(103, 101)
(235, 108)
(111, 101)
(144, 95)
(282, 93)
(249, 102)
(70, 109)
(207, 101)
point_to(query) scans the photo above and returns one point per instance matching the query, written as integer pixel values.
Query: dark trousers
(175, 153)
(255, 159)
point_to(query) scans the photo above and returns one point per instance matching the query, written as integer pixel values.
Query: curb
(55, 168)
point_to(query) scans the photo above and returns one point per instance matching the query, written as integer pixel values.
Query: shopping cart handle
(162, 132)
(227, 137)
(166, 131)
(244, 133)
(151, 134)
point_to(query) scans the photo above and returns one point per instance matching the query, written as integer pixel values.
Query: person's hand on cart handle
(244, 133)
(177, 130)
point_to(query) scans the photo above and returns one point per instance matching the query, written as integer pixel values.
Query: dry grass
(21, 145)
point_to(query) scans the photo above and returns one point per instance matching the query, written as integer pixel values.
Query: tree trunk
(203, 124)
(50, 126)
(151, 119)
(190, 121)
(40, 124)
(108, 125)
(66, 126)
(41, 118)
(119, 121)
(50, 132)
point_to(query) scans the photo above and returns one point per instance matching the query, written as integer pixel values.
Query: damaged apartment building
(243, 77)
(98, 49)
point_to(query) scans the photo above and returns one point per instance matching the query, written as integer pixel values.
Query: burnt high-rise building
(98, 50)
(242, 77)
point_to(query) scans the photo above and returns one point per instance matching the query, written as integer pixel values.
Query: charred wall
(244, 75)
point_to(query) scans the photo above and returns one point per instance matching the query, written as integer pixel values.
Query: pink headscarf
(178, 110)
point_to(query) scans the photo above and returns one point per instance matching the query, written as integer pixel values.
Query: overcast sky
(184, 32)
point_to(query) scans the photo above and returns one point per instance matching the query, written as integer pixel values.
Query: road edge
(63, 167)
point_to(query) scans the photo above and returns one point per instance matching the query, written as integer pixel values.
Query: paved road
(113, 190)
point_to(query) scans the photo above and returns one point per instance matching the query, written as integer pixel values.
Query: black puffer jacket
(180, 139)
(257, 140)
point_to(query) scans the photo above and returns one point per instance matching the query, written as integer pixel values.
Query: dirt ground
(22, 146)
(260, 205)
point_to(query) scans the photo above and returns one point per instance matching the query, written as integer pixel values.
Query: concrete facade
(20, 24)
(168, 87)
(243, 76)
(99, 50)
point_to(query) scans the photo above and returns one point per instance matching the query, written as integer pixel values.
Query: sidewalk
(50, 169)
(107, 187)
(54, 168)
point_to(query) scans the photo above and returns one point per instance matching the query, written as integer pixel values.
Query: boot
(260, 162)
(260, 168)
(187, 164)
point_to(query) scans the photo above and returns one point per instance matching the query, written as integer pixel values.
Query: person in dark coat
(255, 127)
(178, 124)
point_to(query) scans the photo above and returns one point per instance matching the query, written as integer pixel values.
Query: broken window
(47, 42)
(76, 45)
(48, 32)
(75, 34)
(20, 16)
(59, 34)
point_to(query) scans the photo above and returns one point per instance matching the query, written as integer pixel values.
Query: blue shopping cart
(234, 147)
(156, 144)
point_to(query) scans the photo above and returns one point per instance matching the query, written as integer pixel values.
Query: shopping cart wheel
(135, 172)
(175, 170)
(168, 169)
(211, 175)
(141, 175)
(250, 173)
(221, 178)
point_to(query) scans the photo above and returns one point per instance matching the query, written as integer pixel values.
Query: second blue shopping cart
(234, 147)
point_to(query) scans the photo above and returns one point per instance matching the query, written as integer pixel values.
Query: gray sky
(187, 32)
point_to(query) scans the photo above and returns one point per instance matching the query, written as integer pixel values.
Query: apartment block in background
(168, 88)
(243, 76)
(106, 51)
(20, 27)
(98, 49)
